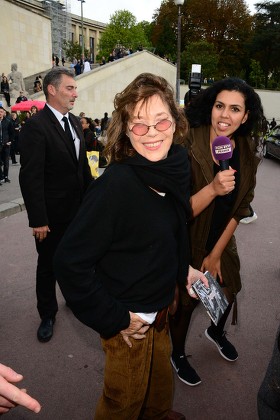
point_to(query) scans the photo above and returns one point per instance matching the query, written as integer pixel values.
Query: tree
(73, 50)
(200, 53)
(265, 44)
(256, 75)
(163, 34)
(227, 25)
(123, 30)
(147, 28)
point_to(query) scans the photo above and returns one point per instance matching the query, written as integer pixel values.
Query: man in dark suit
(53, 177)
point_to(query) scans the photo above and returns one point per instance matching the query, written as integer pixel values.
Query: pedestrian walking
(6, 139)
(220, 199)
(53, 177)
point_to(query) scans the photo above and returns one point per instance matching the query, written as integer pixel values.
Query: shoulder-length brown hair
(142, 88)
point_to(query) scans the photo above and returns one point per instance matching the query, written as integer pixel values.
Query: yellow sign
(93, 161)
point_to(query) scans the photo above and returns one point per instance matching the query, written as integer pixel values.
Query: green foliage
(221, 35)
(164, 30)
(147, 28)
(73, 50)
(123, 30)
(166, 41)
(225, 24)
(203, 53)
(22, 116)
(274, 80)
(256, 75)
(265, 44)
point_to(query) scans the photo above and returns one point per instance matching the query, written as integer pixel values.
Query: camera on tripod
(195, 82)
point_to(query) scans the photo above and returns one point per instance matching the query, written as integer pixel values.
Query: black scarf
(171, 176)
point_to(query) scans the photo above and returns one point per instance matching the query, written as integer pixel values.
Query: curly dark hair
(140, 89)
(199, 110)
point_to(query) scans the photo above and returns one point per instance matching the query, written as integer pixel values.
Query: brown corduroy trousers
(138, 381)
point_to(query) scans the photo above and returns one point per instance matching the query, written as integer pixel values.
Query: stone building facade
(26, 35)
(92, 34)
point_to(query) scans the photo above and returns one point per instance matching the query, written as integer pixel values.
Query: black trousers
(13, 152)
(4, 157)
(45, 279)
(8, 98)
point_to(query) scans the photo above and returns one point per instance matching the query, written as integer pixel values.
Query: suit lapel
(58, 128)
(80, 135)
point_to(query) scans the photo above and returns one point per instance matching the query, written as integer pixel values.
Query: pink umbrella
(26, 105)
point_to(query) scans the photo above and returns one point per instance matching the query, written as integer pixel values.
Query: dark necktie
(68, 133)
(67, 129)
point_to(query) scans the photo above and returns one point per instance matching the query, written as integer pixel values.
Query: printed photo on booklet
(212, 298)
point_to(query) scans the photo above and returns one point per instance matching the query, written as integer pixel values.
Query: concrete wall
(271, 104)
(98, 87)
(25, 39)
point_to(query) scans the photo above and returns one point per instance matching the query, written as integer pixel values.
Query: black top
(5, 87)
(90, 139)
(6, 131)
(224, 204)
(120, 252)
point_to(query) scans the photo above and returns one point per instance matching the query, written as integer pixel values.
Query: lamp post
(82, 23)
(178, 3)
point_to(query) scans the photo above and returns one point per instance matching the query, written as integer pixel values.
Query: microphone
(222, 151)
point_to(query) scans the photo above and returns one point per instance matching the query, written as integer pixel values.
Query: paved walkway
(66, 374)
(11, 201)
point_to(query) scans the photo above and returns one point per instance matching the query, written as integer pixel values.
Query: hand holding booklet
(212, 297)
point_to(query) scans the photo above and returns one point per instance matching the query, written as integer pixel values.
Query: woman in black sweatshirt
(120, 260)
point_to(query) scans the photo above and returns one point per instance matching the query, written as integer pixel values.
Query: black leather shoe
(45, 331)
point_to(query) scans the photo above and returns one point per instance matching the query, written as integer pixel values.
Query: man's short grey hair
(54, 76)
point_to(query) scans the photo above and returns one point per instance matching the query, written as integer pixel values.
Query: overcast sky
(101, 10)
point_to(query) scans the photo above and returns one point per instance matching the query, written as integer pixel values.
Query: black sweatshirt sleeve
(85, 242)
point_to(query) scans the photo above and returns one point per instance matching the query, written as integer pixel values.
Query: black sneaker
(185, 372)
(226, 349)
(7, 180)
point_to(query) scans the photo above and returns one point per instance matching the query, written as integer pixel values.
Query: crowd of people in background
(94, 133)
(10, 126)
(118, 52)
(12, 123)
(80, 66)
(15, 120)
